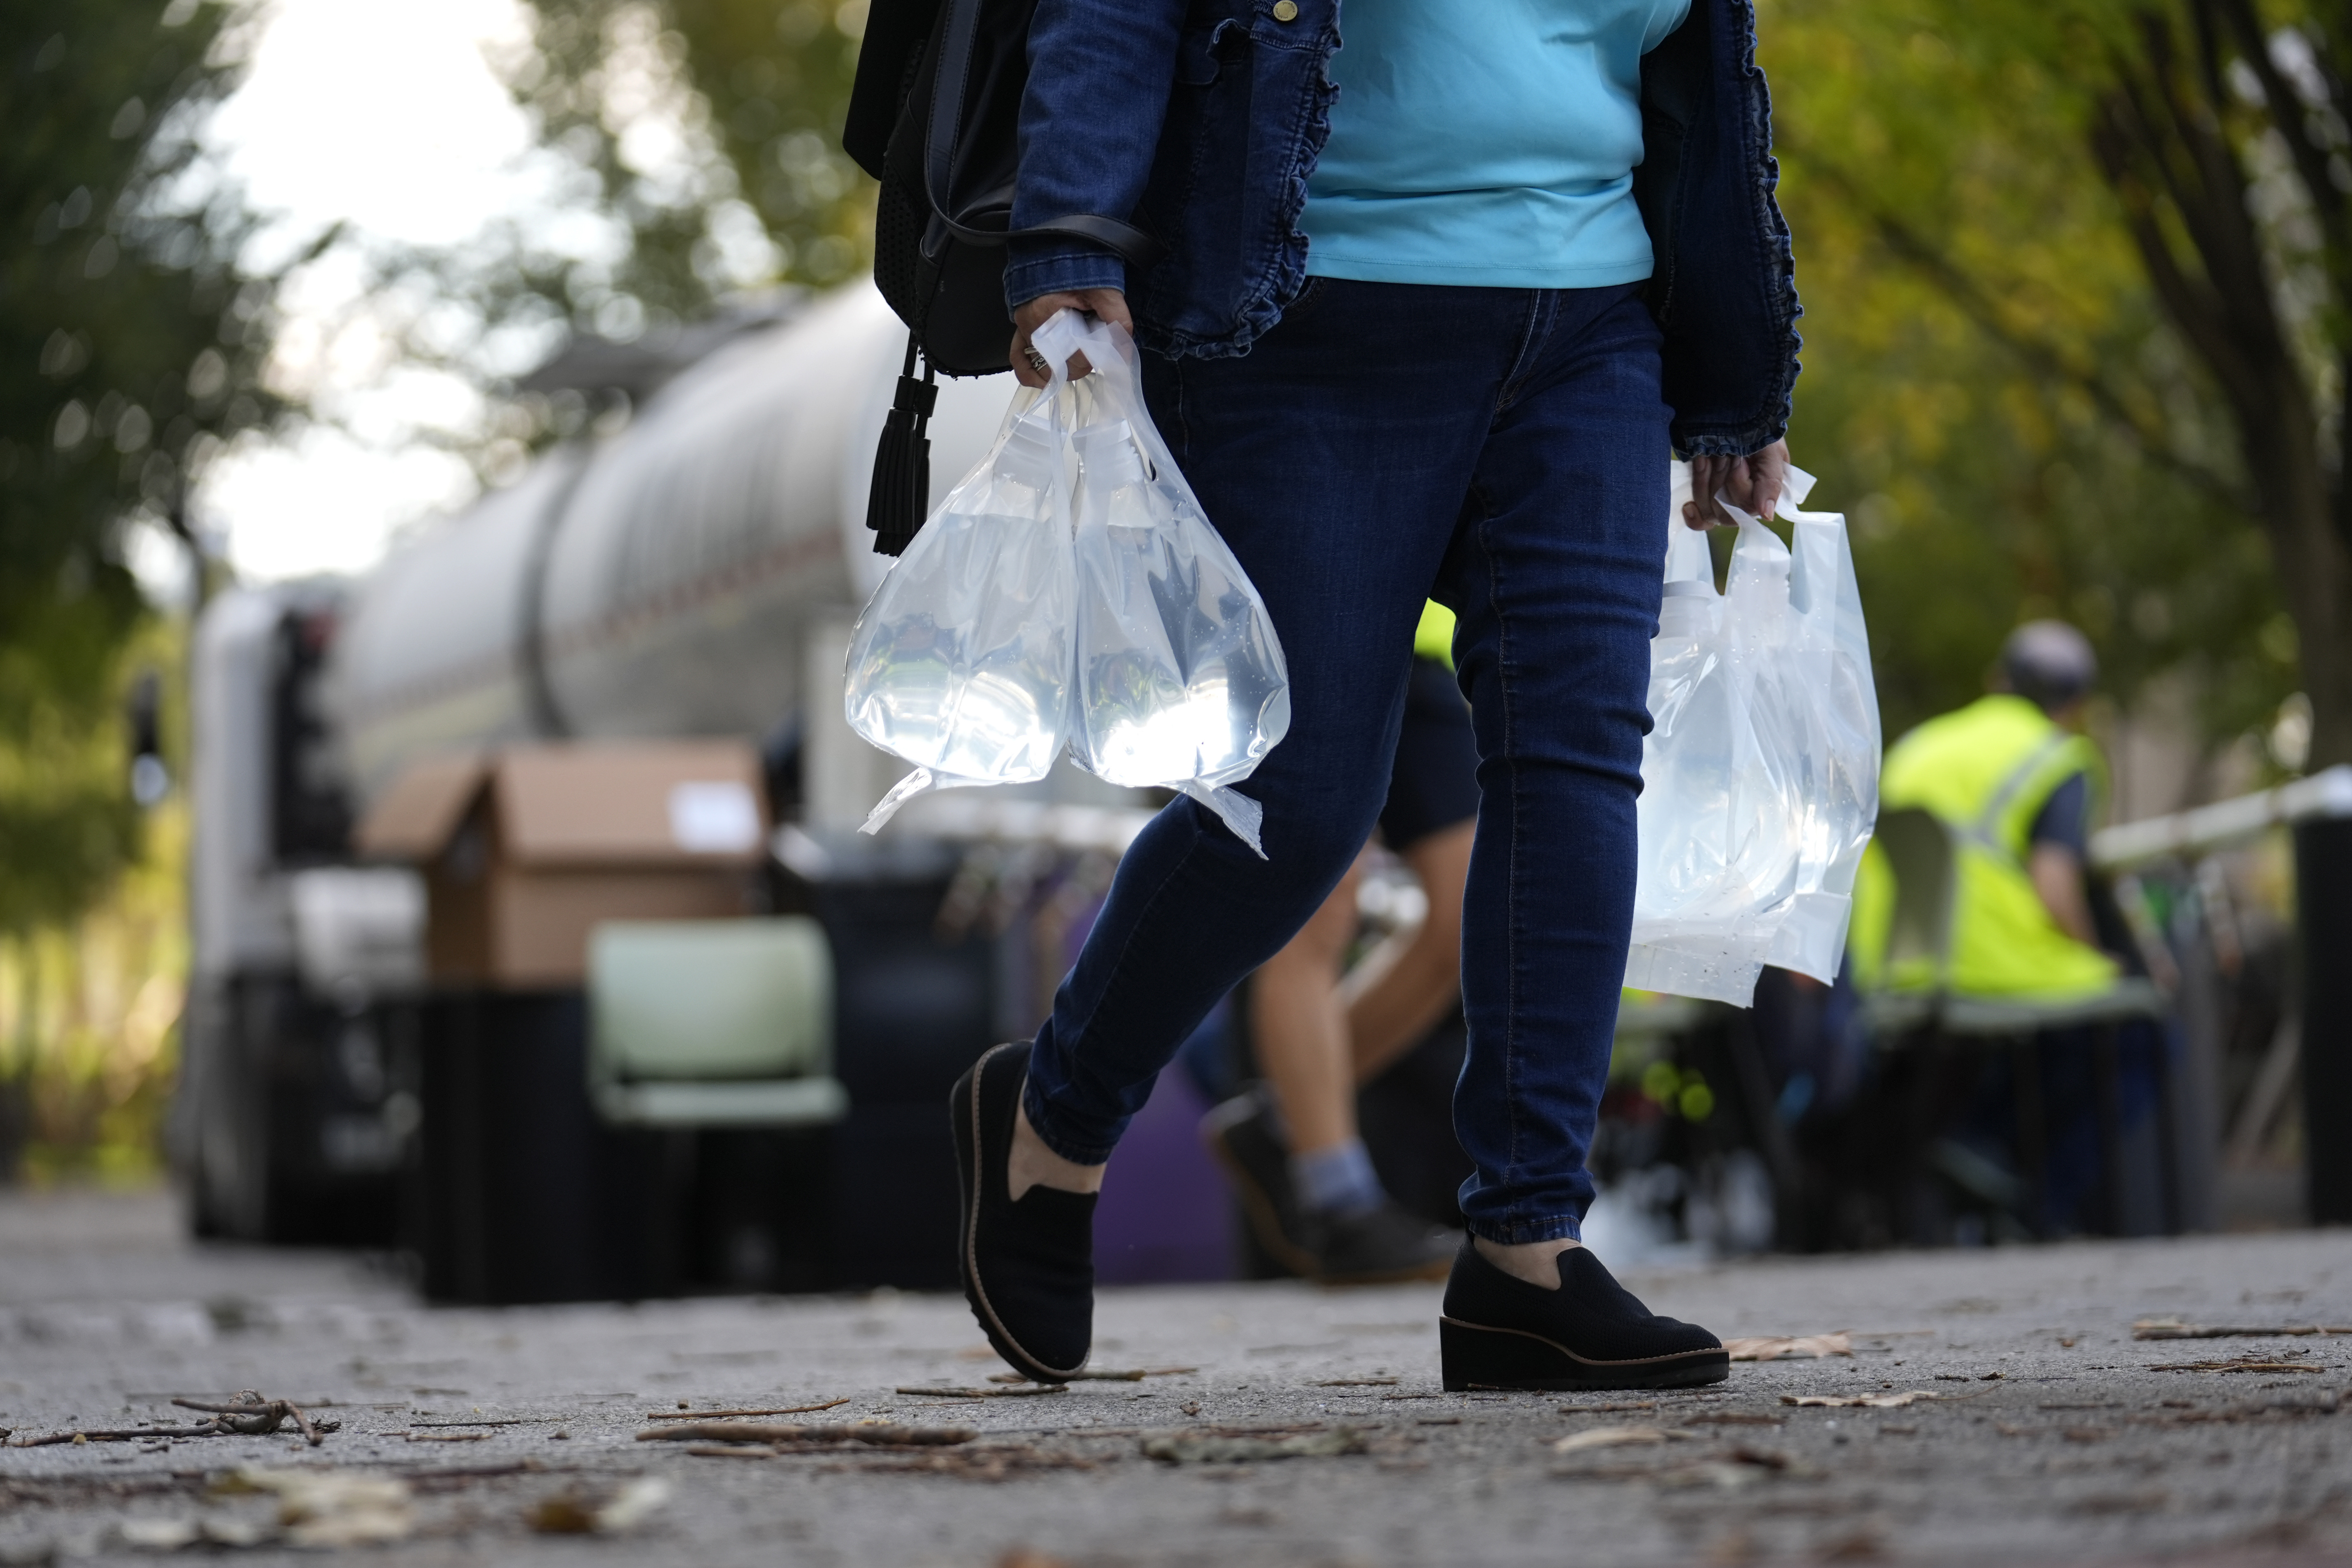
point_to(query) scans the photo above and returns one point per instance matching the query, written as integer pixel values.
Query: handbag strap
(1137, 249)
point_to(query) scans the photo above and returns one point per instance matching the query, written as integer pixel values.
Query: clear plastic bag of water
(1180, 682)
(961, 662)
(1760, 778)
(1071, 592)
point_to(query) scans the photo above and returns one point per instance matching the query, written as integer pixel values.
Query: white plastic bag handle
(1066, 333)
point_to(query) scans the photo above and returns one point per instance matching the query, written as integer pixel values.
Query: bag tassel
(902, 463)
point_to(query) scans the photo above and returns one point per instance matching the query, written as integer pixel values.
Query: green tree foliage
(709, 131)
(2010, 406)
(131, 347)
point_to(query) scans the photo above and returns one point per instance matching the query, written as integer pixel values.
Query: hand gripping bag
(961, 662)
(1180, 682)
(1760, 778)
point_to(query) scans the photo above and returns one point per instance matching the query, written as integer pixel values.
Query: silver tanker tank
(669, 580)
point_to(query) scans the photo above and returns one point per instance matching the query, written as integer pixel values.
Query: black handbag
(934, 115)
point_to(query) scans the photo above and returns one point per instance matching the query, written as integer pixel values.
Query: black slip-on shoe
(1028, 1268)
(1384, 1245)
(1498, 1332)
(1240, 1135)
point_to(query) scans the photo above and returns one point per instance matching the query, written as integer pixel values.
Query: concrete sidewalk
(2043, 1431)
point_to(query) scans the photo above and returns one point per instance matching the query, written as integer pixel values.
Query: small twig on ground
(874, 1432)
(1355, 1382)
(2174, 1329)
(140, 1433)
(2298, 1402)
(252, 1415)
(1103, 1374)
(994, 1464)
(1019, 1391)
(720, 1415)
(2240, 1364)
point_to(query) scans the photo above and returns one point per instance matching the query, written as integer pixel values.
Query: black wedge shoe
(1498, 1332)
(1028, 1268)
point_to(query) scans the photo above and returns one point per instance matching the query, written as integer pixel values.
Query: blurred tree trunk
(2227, 150)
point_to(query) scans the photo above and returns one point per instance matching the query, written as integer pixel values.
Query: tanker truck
(695, 573)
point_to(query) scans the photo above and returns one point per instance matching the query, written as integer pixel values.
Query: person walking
(1435, 309)
(1290, 1144)
(2016, 783)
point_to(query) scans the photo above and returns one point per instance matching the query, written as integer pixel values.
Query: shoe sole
(1477, 1356)
(963, 1115)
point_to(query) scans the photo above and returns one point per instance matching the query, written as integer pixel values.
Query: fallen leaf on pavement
(158, 1534)
(1616, 1437)
(1863, 1401)
(1862, 1546)
(1742, 1467)
(990, 1464)
(1789, 1348)
(332, 1508)
(171, 1534)
(1183, 1449)
(1726, 1470)
(569, 1513)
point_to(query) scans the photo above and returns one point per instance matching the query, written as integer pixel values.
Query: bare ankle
(1033, 1165)
(1533, 1261)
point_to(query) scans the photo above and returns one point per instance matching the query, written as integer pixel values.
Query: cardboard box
(525, 851)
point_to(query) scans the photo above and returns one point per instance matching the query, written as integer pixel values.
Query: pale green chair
(712, 1023)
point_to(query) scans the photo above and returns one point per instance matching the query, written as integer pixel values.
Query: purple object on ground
(1165, 1213)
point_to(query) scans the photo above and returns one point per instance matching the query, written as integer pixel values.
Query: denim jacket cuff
(1059, 270)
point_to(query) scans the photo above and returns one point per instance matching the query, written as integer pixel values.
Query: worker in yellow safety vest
(2015, 780)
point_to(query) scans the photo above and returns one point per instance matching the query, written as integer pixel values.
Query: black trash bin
(514, 1190)
(911, 1012)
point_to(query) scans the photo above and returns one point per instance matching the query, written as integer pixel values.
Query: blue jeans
(1504, 452)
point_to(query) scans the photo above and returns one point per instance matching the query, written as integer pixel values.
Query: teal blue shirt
(1487, 142)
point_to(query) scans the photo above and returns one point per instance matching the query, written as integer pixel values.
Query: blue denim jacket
(1200, 120)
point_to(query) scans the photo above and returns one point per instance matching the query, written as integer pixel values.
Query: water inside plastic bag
(1111, 618)
(1760, 778)
(961, 663)
(1180, 678)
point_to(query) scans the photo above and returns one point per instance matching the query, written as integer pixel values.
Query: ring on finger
(1036, 361)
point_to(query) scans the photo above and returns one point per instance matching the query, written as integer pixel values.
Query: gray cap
(2049, 663)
